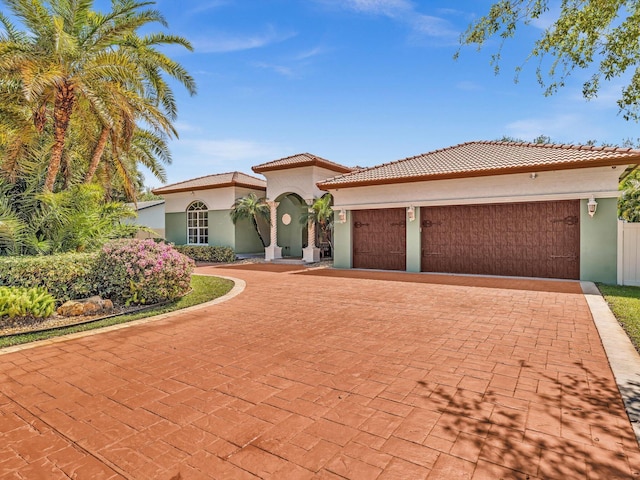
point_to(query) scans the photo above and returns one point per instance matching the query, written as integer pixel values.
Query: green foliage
(147, 195)
(600, 32)
(253, 208)
(65, 277)
(22, 302)
(321, 213)
(629, 201)
(141, 272)
(206, 253)
(76, 219)
(510, 139)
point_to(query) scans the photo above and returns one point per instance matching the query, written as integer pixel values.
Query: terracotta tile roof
(301, 160)
(476, 159)
(220, 180)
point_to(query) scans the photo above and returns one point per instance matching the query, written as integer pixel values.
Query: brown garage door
(538, 239)
(379, 239)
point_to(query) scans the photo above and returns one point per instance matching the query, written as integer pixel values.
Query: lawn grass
(204, 289)
(625, 305)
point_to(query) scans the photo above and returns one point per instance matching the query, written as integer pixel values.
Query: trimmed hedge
(130, 271)
(206, 253)
(66, 276)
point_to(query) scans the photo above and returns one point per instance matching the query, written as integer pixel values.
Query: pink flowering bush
(136, 271)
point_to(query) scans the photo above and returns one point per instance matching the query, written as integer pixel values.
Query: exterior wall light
(342, 216)
(411, 213)
(533, 176)
(592, 206)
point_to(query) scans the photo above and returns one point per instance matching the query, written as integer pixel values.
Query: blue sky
(359, 82)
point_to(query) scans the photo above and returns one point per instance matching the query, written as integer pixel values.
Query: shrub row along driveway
(305, 376)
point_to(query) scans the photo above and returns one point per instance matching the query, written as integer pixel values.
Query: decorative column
(311, 253)
(273, 251)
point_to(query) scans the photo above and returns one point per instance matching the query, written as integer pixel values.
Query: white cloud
(205, 6)
(403, 11)
(558, 127)
(390, 8)
(182, 127)
(433, 26)
(292, 65)
(469, 86)
(608, 96)
(281, 69)
(547, 19)
(220, 151)
(222, 42)
(314, 52)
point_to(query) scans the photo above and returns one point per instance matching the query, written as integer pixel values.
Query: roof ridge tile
(299, 159)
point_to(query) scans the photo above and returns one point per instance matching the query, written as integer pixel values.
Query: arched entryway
(291, 231)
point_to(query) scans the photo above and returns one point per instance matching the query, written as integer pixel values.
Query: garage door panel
(540, 239)
(379, 239)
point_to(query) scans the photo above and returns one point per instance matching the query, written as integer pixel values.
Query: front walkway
(305, 376)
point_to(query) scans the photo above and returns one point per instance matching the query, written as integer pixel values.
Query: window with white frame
(197, 224)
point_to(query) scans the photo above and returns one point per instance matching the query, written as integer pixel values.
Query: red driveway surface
(305, 376)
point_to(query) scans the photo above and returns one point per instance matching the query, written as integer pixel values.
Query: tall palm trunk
(97, 154)
(255, 225)
(63, 107)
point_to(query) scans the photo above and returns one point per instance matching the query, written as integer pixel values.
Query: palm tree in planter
(252, 208)
(321, 213)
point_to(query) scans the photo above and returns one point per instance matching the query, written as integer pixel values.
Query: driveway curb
(238, 288)
(624, 360)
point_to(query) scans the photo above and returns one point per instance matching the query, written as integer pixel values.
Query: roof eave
(308, 163)
(327, 186)
(160, 191)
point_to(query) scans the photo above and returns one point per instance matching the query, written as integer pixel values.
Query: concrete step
(289, 261)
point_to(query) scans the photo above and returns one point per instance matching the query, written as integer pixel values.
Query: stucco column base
(272, 253)
(311, 254)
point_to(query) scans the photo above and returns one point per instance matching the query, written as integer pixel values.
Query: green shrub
(65, 276)
(206, 253)
(140, 271)
(22, 302)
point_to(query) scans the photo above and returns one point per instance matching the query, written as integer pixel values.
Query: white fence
(628, 253)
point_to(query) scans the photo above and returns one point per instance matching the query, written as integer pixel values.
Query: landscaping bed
(203, 289)
(17, 325)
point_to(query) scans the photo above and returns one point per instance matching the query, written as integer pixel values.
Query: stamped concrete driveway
(306, 376)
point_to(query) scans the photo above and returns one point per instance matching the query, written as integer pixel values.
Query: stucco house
(490, 208)
(197, 211)
(150, 215)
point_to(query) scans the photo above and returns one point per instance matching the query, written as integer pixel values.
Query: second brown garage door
(379, 239)
(537, 239)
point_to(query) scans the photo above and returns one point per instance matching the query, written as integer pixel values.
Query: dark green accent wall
(342, 242)
(221, 229)
(599, 242)
(247, 240)
(176, 227)
(290, 237)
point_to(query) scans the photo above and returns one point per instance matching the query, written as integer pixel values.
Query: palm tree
(321, 213)
(119, 174)
(253, 208)
(71, 54)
